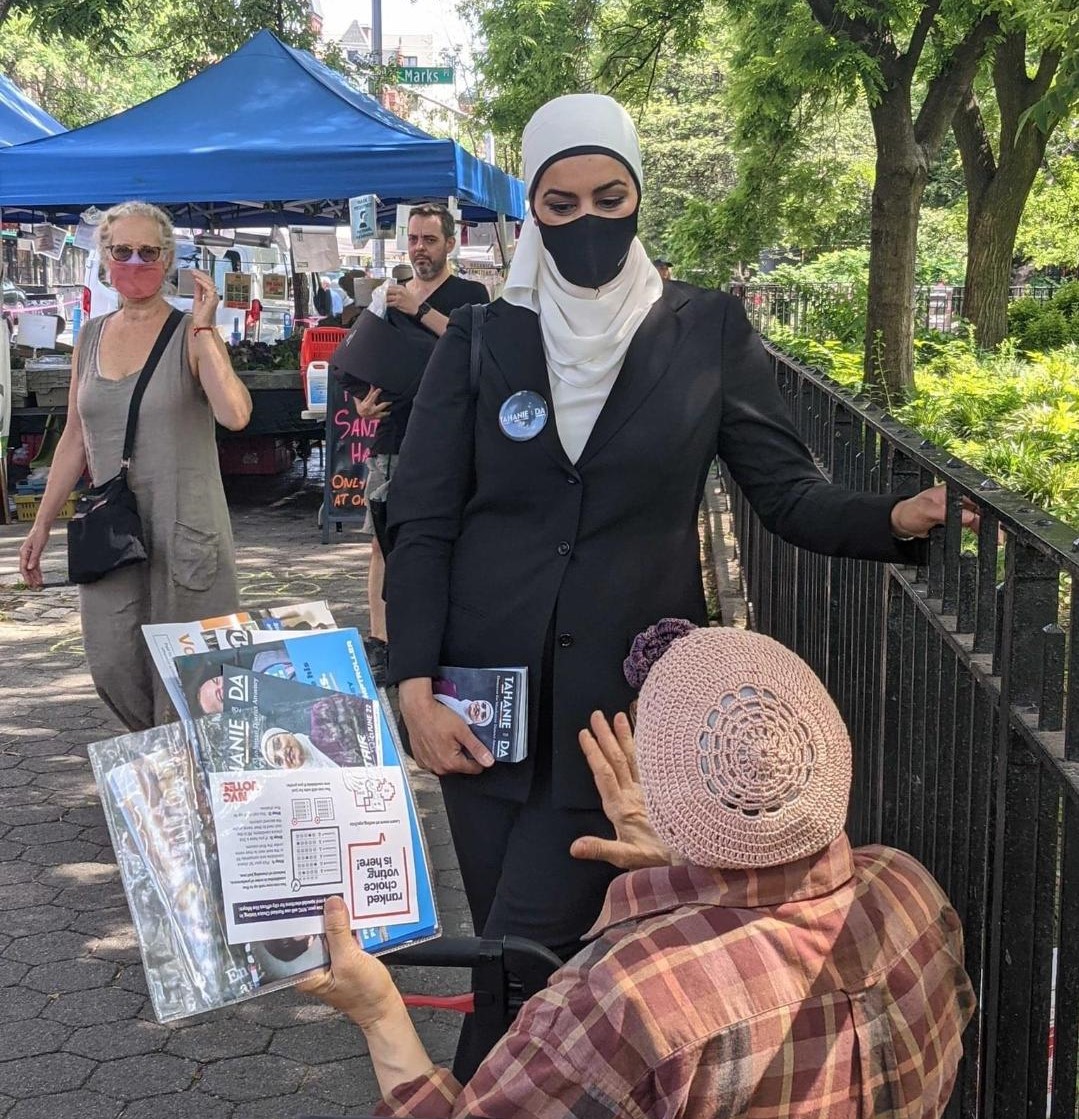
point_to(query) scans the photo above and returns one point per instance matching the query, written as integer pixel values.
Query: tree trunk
(897, 198)
(990, 248)
(997, 187)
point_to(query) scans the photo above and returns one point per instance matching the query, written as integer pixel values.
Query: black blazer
(497, 542)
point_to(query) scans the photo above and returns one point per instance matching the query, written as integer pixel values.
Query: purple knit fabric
(650, 645)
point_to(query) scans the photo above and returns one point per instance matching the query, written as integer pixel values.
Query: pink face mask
(135, 280)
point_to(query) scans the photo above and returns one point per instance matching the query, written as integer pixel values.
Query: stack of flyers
(494, 703)
(169, 640)
(231, 830)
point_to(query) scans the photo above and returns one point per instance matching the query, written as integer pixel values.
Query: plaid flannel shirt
(830, 988)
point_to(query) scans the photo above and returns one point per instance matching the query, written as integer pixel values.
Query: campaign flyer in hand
(494, 703)
(171, 792)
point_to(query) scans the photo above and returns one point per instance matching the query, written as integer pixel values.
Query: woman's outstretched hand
(612, 758)
(915, 516)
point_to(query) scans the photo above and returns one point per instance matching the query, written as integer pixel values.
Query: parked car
(17, 301)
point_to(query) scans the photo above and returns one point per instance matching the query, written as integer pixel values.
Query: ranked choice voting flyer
(384, 869)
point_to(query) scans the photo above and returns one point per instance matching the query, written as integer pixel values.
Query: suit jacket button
(572, 480)
(564, 548)
(565, 640)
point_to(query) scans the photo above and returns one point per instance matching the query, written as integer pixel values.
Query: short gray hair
(137, 210)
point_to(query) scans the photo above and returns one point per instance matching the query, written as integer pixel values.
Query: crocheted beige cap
(744, 758)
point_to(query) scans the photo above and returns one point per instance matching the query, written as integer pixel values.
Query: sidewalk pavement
(78, 1038)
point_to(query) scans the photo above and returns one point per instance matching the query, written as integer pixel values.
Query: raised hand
(612, 758)
(372, 406)
(204, 300)
(400, 298)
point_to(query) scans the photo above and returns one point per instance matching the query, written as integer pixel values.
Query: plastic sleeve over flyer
(180, 808)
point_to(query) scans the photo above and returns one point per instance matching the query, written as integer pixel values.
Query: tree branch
(1016, 93)
(972, 139)
(913, 53)
(1010, 81)
(877, 45)
(946, 90)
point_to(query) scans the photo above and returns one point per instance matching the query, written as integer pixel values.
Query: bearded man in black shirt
(419, 308)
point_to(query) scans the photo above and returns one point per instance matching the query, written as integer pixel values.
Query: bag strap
(479, 314)
(168, 329)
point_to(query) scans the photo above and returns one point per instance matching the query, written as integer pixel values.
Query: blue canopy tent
(20, 119)
(268, 135)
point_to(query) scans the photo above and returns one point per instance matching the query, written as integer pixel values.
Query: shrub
(1015, 419)
(1045, 326)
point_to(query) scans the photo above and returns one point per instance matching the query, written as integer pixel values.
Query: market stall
(268, 136)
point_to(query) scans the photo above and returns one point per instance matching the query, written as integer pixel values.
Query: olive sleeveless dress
(176, 480)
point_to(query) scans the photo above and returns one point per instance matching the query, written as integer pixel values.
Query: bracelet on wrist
(196, 331)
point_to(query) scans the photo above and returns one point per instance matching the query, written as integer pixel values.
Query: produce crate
(260, 455)
(49, 379)
(26, 507)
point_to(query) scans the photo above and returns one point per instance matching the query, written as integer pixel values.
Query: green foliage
(202, 31)
(685, 142)
(1049, 232)
(1040, 326)
(79, 78)
(942, 246)
(76, 82)
(1016, 420)
(101, 24)
(533, 50)
(842, 363)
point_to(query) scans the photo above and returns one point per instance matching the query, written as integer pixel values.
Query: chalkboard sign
(348, 446)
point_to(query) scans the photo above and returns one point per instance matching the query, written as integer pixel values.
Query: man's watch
(423, 309)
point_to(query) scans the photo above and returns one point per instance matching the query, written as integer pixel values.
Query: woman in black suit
(550, 544)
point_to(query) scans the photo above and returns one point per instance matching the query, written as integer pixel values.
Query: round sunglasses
(148, 254)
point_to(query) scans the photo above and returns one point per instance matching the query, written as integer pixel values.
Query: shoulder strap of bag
(168, 329)
(479, 313)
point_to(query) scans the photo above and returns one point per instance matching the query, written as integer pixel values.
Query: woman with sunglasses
(174, 468)
(545, 517)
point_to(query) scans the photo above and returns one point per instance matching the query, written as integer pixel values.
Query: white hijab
(585, 332)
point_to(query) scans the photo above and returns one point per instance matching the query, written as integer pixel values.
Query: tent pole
(378, 249)
(5, 400)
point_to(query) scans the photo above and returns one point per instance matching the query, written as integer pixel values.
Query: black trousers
(519, 877)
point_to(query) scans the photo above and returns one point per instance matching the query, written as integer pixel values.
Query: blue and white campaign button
(523, 416)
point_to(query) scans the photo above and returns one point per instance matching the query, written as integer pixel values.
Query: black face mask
(590, 251)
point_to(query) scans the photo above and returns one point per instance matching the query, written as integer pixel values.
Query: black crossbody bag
(105, 533)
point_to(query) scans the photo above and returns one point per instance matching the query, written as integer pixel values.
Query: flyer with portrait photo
(169, 640)
(494, 703)
(292, 724)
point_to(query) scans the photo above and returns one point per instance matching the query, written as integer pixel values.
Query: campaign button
(523, 416)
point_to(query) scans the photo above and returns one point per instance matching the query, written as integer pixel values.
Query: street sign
(425, 75)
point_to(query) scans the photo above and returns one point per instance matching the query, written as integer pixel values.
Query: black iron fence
(960, 684)
(838, 310)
